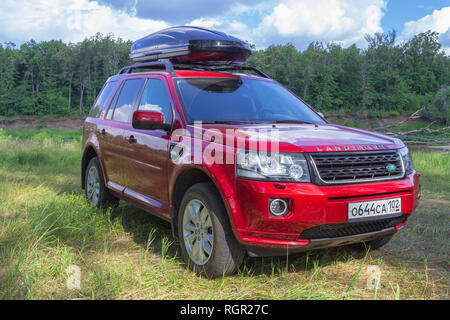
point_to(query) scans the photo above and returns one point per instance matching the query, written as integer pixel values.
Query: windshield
(241, 100)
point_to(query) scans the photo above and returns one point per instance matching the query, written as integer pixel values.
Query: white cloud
(345, 21)
(254, 8)
(297, 21)
(232, 27)
(205, 23)
(74, 20)
(262, 23)
(69, 20)
(438, 21)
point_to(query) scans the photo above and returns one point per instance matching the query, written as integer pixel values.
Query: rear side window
(155, 98)
(113, 103)
(124, 106)
(101, 99)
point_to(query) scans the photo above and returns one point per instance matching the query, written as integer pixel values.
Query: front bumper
(257, 251)
(311, 206)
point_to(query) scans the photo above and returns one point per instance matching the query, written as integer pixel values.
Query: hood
(298, 137)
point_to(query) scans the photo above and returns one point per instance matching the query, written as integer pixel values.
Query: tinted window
(235, 99)
(113, 104)
(155, 98)
(101, 99)
(127, 99)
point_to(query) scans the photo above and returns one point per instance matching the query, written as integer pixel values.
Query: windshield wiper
(293, 121)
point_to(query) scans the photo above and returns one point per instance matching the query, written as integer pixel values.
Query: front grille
(351, 167)
(350, 228)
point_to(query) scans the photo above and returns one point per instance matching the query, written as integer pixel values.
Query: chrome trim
(185, 47)
(115, 186)
(323, 182)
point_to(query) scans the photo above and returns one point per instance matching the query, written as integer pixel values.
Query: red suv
(238, 164)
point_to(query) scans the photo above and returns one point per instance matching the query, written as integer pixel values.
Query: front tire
(97, 194)
(205, 235)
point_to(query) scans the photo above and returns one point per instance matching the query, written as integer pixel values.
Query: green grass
(125, 253)
(435, 168)
(415, 126)
(55, 134)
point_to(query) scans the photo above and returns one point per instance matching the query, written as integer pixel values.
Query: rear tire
(206, 240)
(97, 194)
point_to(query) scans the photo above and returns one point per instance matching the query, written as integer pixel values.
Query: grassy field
(125, 253)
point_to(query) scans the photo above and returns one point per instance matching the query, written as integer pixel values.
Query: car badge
(391, 167)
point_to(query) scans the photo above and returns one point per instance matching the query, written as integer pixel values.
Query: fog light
(278, 207)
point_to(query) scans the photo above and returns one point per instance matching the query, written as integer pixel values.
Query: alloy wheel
(198, 232)
(93, 186)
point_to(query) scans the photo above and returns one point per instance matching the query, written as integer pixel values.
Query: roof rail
(166, 64)
(170, 68)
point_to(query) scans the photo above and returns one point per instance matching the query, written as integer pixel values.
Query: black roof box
(190, 45)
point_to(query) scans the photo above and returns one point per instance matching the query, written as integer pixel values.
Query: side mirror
(149, 120)
(321, 114)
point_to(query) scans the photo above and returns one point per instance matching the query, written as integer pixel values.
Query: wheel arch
(184, 180)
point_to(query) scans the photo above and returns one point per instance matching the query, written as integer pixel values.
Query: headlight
(407, 161)
(273, 167)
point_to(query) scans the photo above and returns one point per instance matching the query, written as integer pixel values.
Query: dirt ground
(33, 123)
(76, 123)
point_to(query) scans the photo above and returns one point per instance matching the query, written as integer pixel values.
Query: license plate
(375, 208)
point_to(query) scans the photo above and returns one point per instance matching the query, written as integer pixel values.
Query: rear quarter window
(99, 103)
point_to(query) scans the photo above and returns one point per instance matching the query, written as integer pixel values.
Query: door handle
(131, 139)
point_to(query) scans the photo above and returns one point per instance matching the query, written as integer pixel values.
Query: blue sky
(400, 11)
(261, 22)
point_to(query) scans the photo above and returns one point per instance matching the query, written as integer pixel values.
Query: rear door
(94, 122)
(148, 152)
(111, 132)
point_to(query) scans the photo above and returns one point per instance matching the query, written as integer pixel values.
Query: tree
(58, 79)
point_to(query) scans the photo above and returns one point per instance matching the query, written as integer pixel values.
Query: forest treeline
(387, 77)
(57, 79)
